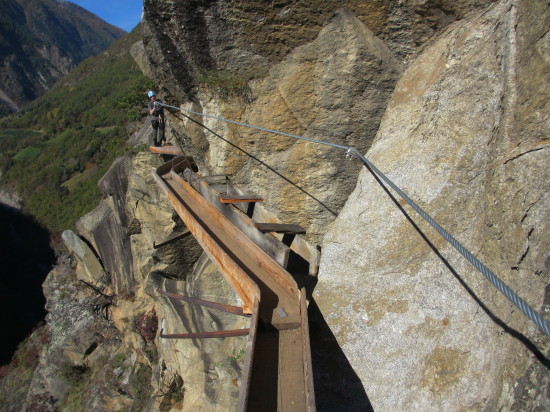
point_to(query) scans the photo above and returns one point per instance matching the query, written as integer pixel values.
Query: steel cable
(497, 282)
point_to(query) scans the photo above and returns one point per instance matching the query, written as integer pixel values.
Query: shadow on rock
(25, 260)
(337, 386)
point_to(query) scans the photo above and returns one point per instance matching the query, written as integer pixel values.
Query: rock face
(253, 63)
(103, 350)
(210, 368)
(107, 229)
(349, 74)
(465, 135)
(250, 36)
(10, 199)
(92, 272)
(398, 320)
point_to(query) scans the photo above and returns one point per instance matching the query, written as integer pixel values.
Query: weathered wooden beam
(215, 179)
(239, 198)
(306, 355)
(299, 245)
(278, 288)
(247, 208)
(289, 231)
(180, 163)
(235, 310)
(200, 335)
(280, 228)
(291, 377)
(269, 244)
(176, 162)
(240, 282)
(169, 150)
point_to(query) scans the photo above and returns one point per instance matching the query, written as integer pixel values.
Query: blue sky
(125, 14)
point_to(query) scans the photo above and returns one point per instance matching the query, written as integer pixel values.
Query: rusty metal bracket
(235, 310)
(214, 334)
(175, 237)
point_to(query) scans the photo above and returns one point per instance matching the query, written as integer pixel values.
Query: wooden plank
(280, 228)
(291, 388)
(308, 252)
(181, 163)
(278, 288)
(306, 355)
(299, 244)
(169, 150)
(244, 206)
(270, 245)
(265, 372)
(219, 187)
(239, 198)
(244, 390)
(240, 282)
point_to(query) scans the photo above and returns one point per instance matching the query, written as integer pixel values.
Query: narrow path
(278, 360)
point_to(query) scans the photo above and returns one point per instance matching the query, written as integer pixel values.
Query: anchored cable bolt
(353, 154)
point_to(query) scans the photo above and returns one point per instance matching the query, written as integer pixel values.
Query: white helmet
(151, 94)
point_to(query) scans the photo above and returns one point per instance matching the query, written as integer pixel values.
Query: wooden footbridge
(252, 255)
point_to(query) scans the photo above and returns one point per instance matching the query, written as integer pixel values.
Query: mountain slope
(40, 41)
(54, 153)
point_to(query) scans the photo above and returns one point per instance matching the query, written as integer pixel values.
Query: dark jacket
(158, 112)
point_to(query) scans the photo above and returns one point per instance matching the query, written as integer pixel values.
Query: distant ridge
(41, 41)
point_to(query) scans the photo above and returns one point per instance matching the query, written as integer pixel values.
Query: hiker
(157, 120)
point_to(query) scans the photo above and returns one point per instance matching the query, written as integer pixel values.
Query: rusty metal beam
(244, 391)
(200, 335)
(235, 310)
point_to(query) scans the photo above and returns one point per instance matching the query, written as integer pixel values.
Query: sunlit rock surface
(465, 135)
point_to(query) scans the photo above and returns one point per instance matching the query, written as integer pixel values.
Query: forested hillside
(53, 152)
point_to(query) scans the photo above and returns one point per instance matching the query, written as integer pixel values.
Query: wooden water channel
(247, 247)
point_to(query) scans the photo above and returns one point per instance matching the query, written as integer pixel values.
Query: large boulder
(465, 135)
(105, 227)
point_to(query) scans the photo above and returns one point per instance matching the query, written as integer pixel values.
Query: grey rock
(105, 227)
(465, 136)
(93, 271)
